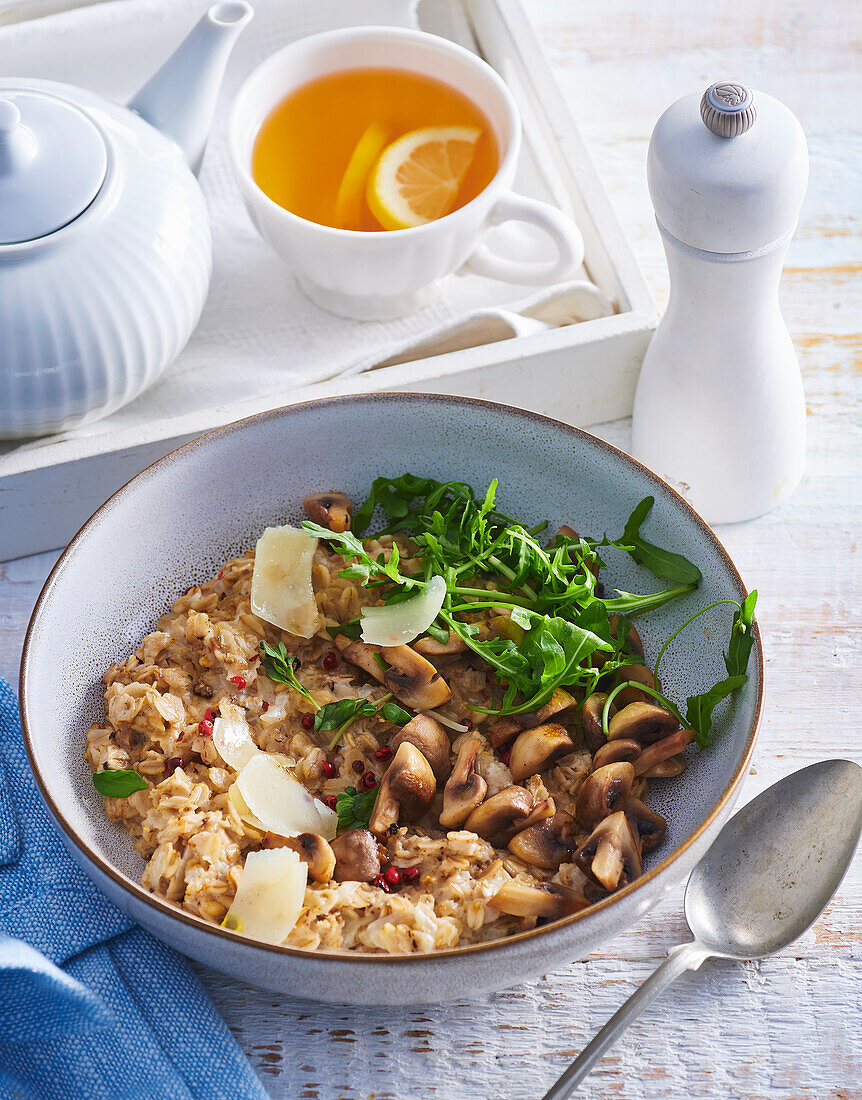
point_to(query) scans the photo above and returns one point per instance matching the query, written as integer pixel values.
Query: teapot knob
(17, 142)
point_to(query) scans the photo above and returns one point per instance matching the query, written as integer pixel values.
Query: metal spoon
(766, 879)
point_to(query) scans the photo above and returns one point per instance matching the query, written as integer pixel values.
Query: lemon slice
(348, 203)
(417, 177)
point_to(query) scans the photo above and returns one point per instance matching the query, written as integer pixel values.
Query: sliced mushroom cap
(502, 731)
(430, 739)
(641, 675)
(546, 844)
(331, 510)
(465, 789)
(362, 655)
(640, 787)
(501, 811)
(406, 790)
(633, 638)
(603, 791)
(647, 825)
(591, 719)
(667, 769)
(557, 705)
(412, 679)
(537, 749)
(312, 849)
(612, 752)
(660, 751)
(357, 856)
(611, 855)
(541, 811)
(430, 647)
(546, 899)
(642, 722)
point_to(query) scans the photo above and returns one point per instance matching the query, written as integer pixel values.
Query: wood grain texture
(786, 1027)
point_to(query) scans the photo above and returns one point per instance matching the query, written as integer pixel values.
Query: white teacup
(378, 276)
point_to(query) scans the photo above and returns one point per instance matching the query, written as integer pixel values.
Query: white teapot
(105, 244)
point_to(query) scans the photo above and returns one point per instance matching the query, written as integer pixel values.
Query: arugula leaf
(699, 708)
(661, 563)
(332, 715)
(438, 633)
(279, 667)
(354, 808)
(394, 495)
(398, 716)
(119, 783)
(741, 637)
(632, 603)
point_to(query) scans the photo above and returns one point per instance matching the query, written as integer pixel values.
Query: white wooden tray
(582, 373)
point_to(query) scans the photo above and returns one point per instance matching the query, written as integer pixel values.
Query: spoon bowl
(775, 865)
(766, 879)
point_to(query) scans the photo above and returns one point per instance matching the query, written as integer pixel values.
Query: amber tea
(374, 149)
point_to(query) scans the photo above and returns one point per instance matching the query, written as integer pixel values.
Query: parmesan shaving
(270, 895)
(281, 589)
(401, 623)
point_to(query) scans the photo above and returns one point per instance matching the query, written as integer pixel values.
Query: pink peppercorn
(327, 770)
(368, 782)
(221, 574)
(382, 883)
(172, 765)
(264, 707)
(307, 721)
(410, 874)
(238, 680)
(330, 661)
(393, 876)
(205, 728)
(468, 723)
(331, 801)
(383, 754)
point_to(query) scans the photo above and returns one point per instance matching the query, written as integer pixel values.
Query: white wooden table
(790, 1026)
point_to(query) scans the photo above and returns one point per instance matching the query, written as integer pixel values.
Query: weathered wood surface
(789, 1026)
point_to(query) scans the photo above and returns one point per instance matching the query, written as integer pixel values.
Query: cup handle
(561, 229)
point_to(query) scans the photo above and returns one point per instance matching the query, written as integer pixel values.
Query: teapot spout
(180, 98)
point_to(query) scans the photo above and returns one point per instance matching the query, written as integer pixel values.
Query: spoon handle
(687, 956)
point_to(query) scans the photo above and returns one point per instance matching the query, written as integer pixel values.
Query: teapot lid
(727, 170)
(53, 162)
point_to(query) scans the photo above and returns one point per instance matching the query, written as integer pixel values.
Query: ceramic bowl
(176, 522)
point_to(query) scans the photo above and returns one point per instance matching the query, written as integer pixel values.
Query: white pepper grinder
(719, 410)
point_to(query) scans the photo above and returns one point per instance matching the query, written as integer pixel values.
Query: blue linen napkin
(91, 1007)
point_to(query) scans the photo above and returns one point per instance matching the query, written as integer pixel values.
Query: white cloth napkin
(258, 334)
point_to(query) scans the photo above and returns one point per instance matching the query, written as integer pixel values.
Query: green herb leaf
(351, 630)
(354, 808)
(741, 637)
(278, 666)
(699, 709)
(332, 715)
(631, 603)
(660, 562)
(119, 783)
(398, 716)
